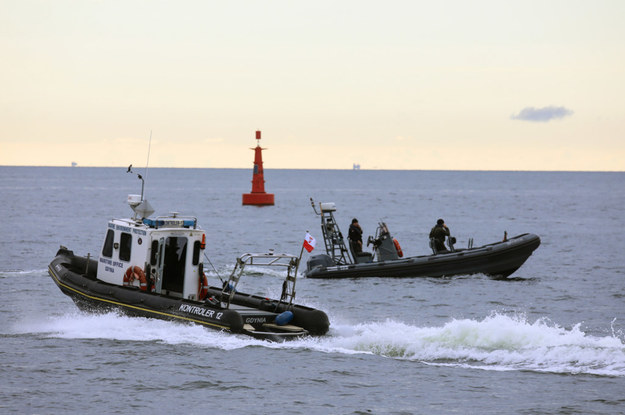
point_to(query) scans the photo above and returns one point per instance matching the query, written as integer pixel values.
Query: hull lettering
(200, 311)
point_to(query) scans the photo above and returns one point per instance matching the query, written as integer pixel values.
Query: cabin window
(107, 250)
(196, 252)
(175, 261)
(124, 246)
(153, 253)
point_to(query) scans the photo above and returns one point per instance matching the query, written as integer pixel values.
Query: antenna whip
(147, 163)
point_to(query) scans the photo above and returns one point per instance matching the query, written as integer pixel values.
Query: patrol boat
(499, 259)
(153, 268)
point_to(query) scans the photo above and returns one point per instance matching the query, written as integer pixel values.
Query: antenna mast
(147, 163)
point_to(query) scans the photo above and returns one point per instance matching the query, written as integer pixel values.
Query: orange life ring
(135, 273)
(203, 287)
(400, 253)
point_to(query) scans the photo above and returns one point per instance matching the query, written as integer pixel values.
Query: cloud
(545, 114)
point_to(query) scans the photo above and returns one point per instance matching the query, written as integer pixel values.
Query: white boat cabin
(161, 255)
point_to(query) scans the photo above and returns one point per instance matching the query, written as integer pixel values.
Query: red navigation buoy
(258, 195)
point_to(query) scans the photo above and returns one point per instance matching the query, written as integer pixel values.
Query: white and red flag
(309, 242)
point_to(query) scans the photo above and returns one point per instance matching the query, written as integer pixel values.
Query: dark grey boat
(153, 268)
(499, 259)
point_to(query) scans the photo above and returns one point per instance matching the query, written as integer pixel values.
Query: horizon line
(325, 169)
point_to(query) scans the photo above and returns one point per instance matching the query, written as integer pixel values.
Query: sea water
(550, 339)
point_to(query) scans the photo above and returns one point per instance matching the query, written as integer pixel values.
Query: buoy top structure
(258, 196)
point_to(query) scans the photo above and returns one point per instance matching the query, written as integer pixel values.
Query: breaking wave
(498, 342)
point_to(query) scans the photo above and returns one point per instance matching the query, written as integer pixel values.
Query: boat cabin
(161, 255)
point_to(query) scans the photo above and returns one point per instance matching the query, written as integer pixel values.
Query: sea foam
(497, 342)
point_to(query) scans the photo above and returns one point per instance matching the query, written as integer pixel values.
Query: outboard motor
(321, 260)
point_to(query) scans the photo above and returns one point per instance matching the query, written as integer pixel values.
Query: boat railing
(287, 262)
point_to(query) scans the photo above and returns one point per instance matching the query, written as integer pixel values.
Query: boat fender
(227, 287)
(203, 288)
(284, 318)
(400, 253)
(135, 273)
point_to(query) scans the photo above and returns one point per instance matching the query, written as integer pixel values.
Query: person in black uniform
(438, 233)
(355, 236)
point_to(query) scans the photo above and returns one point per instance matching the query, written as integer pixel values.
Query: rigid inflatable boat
(153, 268)
(499, 259)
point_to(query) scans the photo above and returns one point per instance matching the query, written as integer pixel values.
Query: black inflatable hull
(497, 260)
(248, 314)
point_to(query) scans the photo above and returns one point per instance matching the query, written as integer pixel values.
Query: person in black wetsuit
(355, 236)
(438, 233)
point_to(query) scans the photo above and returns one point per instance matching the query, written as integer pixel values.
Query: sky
(418, 85)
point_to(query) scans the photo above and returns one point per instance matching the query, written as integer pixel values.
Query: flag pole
(294, 278)
(301, 252)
